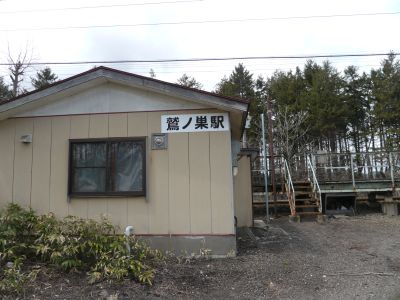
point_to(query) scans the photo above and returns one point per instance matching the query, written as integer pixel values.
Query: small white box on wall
(26, 138)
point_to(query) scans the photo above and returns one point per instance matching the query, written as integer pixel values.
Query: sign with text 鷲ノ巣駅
(195, 123)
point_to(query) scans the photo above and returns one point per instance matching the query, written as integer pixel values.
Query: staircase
(301, 196)
(306, 202)
(304, 197)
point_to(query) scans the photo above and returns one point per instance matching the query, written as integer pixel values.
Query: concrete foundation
(390, 208)
(193, 245)
(321, 219)
(294, 219)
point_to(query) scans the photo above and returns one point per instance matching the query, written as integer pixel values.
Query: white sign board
(195, 123)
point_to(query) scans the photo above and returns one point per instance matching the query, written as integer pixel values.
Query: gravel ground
(345, 258)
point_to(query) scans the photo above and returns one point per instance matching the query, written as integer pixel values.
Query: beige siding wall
(190, 187)
(7, 151)
(243, 193)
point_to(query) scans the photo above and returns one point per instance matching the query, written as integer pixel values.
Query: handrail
(361, 152)
(290, 189)
(315, 184)
(357, 166)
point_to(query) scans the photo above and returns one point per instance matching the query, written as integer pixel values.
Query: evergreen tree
(190, 82)
(287, 89)
(324, 102)
(356, 95)
(344, 111)
(241, 84)
(386, 102)
(291, 125)
(43, 78)
(5, 92)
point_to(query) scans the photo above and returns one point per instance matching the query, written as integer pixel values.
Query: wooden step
(308, 213)
(278, 202)
(363, 202)
(361, 199)
(270, 201)
(301, 182)
(302, 193)
(305, 200)
(307, 206)
(303, 188)
(271, 204)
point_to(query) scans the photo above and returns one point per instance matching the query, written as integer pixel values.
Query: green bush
(16, 232)
(69, 244)
(13, 279)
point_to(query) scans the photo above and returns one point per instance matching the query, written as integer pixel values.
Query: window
(107, 167)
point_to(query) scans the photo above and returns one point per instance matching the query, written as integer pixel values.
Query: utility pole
(271, 151)
(265, 168)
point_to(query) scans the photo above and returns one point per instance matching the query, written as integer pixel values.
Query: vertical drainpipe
(235, 150)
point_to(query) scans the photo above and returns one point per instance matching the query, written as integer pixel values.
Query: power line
(98, 6)
(205, 21)
(96, 62)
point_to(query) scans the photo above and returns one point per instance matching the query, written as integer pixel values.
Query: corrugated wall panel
(199, 183)
(179, 204)
(158, 182)
(189, 185)
(138, 210)
(23, 164)
(40, 198)
(7, 138)
(221, 182)
(243, 193)
(59, 166)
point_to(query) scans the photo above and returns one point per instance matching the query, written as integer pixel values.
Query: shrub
(69, 244)
(13, 279)
(16, 232)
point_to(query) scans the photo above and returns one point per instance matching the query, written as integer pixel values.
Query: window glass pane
(89, 180)
(89, 154)
(128, 166)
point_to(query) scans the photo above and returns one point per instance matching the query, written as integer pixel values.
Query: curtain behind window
(89, 167)
(128, 166)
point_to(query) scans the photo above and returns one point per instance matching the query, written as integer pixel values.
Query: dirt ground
(345, 258)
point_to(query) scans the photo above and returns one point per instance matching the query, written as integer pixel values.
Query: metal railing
(258, 172)
(357, 167)
(289, 188)
(314, 183)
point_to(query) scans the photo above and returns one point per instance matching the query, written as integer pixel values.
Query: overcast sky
(31, 24)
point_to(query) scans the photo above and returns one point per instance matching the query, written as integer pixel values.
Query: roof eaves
(101, 72)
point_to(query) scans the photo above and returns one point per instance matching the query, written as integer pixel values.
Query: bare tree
(291, 132)
(18, 66)
(152, 73)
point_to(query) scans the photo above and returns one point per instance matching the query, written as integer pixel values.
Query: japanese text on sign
(195, 123)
